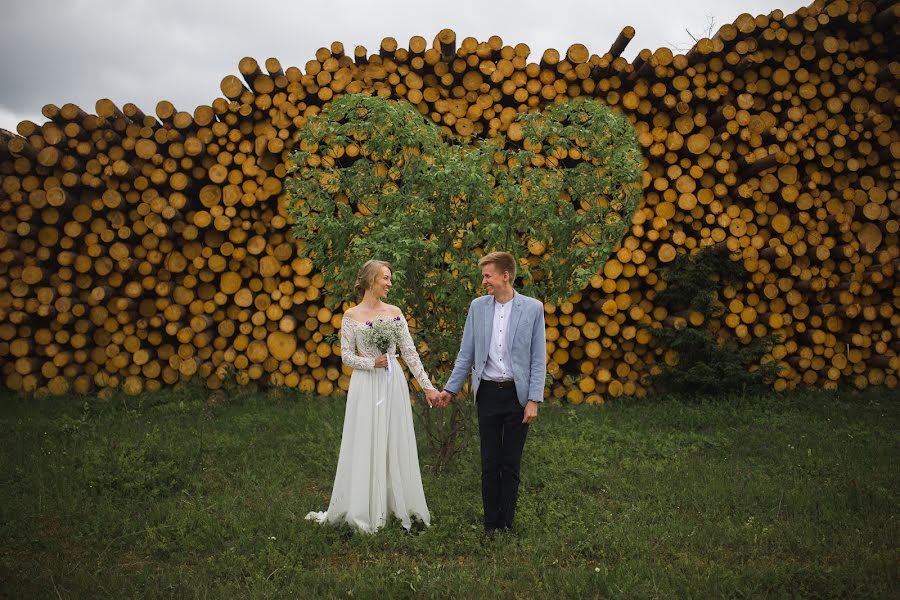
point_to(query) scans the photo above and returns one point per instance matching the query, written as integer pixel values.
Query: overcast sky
(143, 51)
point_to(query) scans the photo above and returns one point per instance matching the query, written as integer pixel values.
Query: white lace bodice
(357, 353)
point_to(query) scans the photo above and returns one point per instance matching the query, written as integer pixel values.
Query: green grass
(163, 497)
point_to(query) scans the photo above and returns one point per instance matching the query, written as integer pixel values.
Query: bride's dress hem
(408, 524)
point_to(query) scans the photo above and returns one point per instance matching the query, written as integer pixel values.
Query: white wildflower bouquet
(383, 333)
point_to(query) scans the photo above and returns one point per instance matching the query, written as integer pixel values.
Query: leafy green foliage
(709, 361)
(708, 364)
(578, 210)
(694, 281)
(393, 201)
(433, 207)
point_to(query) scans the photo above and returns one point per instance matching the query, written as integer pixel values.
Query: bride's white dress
(378, 467)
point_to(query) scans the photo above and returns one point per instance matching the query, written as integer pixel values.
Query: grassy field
(166, 497)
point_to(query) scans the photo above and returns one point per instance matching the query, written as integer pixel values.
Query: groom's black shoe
(490, 534)
(513, 534)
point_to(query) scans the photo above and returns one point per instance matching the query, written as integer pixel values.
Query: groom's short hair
(502, 261)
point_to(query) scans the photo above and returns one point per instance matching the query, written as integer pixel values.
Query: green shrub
(709, 359)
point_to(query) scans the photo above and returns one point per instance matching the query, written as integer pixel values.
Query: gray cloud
(57, 51)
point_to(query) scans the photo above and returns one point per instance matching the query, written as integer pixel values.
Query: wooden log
(624, 37)
(446, 44)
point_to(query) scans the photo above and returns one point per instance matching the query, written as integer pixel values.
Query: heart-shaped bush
(374, 179)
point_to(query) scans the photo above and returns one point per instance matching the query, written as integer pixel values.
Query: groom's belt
(508, 383)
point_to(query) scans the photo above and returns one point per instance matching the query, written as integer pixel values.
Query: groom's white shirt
(525, 340)
(499, 363)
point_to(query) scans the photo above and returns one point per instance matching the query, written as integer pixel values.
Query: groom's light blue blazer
(527, 347)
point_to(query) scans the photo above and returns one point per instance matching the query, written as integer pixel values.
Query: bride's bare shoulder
(351, 313)
(394, 311)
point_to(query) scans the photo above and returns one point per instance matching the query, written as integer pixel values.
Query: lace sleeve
(411, 358)
(348, 352)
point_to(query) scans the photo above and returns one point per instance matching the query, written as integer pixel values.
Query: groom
(505, 350)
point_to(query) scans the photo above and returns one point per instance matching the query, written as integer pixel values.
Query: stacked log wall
(138, 249)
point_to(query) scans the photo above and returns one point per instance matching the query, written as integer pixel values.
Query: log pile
(139, 249)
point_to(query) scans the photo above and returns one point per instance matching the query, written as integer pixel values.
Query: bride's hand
(432, 397)
(381, 362)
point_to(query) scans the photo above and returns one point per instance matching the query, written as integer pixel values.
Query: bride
(378, 466)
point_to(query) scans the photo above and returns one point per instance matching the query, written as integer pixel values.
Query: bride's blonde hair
(366, 276)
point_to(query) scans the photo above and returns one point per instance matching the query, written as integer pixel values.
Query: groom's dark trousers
(502, 441)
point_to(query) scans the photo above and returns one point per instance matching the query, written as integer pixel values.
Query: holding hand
(433, 397)
(381, 362)
(445, 398)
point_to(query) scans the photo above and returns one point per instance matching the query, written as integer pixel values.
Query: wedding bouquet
(383, 333)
